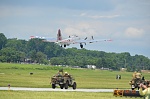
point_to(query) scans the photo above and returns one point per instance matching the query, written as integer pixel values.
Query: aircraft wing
(80, 41)
(45, 39)
(99, 40)
(91, 41)
(50, 40)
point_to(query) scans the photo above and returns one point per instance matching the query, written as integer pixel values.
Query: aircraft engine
(81, 45)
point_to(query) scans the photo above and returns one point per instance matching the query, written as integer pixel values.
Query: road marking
(57, 89)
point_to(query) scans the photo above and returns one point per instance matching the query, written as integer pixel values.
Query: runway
(55, 90)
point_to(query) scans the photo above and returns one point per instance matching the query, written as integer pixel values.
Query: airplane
(70, 40)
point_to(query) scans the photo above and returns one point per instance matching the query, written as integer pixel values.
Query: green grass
(18, 75)
(56, 95)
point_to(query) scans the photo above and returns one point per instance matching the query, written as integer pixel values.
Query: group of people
(61, 73)
(144, 90)
(136, 79)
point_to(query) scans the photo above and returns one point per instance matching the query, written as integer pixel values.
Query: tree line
(36, 51)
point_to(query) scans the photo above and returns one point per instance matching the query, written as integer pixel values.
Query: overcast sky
(127, 22)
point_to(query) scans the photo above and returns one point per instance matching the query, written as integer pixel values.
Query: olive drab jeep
(64, 80)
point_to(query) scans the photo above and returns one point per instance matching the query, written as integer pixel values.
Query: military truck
(64, 80)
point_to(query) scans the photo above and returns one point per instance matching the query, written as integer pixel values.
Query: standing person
(133, 75)
(138, 75)
(146, 91)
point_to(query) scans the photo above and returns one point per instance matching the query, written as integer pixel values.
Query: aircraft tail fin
(59, 37)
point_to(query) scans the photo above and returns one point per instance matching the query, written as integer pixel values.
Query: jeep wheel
(132, 87)
(74, 85)
(61, 86)
(53, 86)
(66, 85)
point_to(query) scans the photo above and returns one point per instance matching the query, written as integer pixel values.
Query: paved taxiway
(57, 89)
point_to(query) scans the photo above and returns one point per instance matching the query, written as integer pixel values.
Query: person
(133, 75)
(146, 91)
(59, 74)
(138, 75)
(133, 78)
(136, 80)
(132, 81)
(67, 74)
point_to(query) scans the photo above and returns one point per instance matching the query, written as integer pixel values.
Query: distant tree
(32, 55)
(14, 50)
(19, 45)
(99, 63)
(40, 57)
(54, 61)
(3, 40)
(11, 55)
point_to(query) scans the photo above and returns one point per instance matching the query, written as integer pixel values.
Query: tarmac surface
(57, 89)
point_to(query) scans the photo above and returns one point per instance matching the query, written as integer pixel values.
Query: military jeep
(135, 82)
(63, 80)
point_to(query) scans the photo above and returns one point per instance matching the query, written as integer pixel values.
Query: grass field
(18, 75)
(57, 95)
